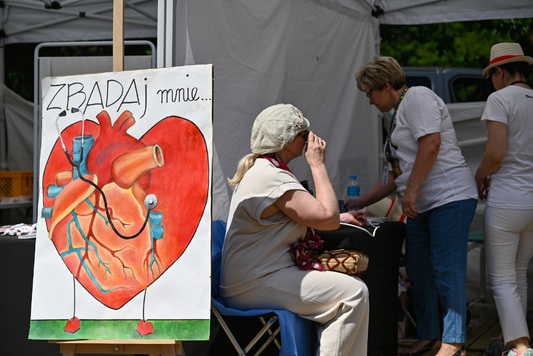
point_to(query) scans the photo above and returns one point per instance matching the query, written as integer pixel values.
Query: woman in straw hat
(439, 198)
(271, 211)
(505, 179)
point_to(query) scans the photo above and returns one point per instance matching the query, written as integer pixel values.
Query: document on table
(22, 231)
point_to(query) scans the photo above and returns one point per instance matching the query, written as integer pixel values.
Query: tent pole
(118, 35)
(3, 121)
(165, 30)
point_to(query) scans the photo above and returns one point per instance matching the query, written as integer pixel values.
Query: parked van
(453, 85)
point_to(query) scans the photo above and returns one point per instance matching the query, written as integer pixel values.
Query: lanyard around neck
(388, 151)
(276, 161)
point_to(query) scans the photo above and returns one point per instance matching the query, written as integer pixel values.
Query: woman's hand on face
(315, 152)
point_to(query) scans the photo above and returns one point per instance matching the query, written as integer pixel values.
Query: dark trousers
(381, 278)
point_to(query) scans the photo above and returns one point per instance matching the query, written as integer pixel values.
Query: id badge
(385, 178)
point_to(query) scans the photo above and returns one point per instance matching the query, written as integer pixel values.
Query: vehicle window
(473, 88)
(413, 81)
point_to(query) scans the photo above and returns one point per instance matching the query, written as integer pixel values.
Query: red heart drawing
(170, 161)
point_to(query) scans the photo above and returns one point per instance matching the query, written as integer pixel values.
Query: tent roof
(414, 12)
(406, 12)
(84, 20)
(74, 20)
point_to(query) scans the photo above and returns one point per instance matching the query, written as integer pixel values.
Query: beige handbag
(345, 261)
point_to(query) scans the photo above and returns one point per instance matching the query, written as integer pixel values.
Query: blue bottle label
(353, 191)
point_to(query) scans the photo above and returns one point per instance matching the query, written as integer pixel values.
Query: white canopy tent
(304, 52)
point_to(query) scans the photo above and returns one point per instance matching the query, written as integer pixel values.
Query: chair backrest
(387, 207)
(217, 240)
(297, 334)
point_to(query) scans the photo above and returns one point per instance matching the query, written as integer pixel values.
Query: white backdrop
(301, 52)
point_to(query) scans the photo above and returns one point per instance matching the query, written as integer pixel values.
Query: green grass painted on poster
(120, 329)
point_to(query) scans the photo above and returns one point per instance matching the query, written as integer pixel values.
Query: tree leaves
(453, 44)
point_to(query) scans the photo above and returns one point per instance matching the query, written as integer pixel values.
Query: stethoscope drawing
(150, 201)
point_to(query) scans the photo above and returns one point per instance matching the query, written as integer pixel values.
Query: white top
(256, 247)
(420, 113)
(511, 185)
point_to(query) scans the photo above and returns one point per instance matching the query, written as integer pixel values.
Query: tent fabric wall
(301, 52)
(18, 114)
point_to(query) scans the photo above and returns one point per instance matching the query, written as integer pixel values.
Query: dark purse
(308, 254)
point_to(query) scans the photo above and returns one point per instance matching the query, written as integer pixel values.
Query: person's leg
(508, 244)
(337, 301)
(523, 256)
(423, 290)
(449, 225)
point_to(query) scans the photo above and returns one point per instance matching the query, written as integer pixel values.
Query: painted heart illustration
(99, 195)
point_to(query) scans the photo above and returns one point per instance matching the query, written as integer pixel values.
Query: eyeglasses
(369, 93)
(304, 134)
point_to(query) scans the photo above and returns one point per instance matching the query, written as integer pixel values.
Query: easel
(120, 347)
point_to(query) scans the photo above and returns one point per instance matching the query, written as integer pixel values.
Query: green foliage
(18, 59)
(454, 44)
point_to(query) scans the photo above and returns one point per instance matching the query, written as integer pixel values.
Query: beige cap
(275, 127)
(506, 52)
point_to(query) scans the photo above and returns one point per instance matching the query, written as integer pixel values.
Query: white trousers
(337, 301)
(509, 248)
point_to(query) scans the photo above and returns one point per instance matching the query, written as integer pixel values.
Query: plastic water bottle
(352, 196)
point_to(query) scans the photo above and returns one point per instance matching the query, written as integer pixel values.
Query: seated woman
(269, 212)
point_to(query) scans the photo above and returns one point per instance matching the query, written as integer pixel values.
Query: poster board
(124, 221)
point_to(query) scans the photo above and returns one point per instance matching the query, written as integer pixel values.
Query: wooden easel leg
(121, 347)
(168, 350)
(68, 349)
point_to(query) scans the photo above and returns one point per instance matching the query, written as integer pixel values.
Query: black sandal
(423, 350)
(460, 351)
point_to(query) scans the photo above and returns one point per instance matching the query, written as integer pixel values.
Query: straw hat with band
(507, 52)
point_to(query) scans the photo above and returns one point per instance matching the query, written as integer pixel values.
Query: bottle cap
(353, 176)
